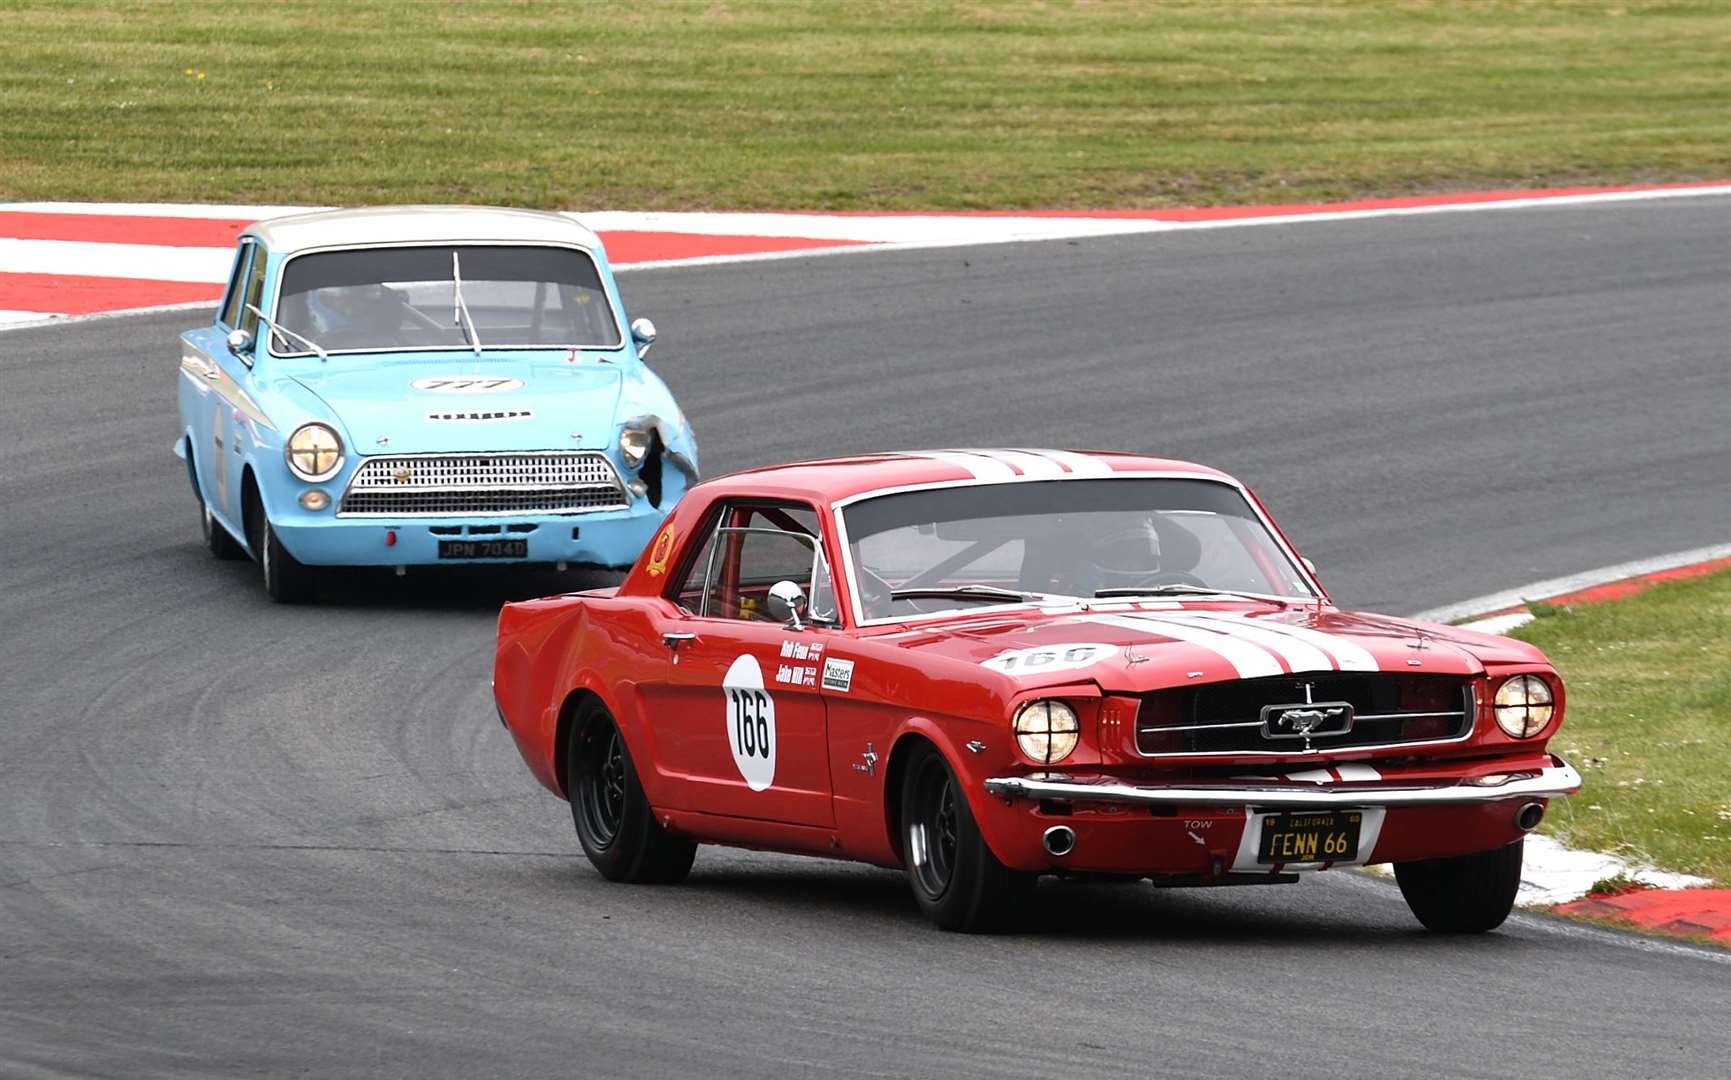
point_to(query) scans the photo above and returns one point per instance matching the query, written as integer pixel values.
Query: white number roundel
(750, 722)
(1046, 658)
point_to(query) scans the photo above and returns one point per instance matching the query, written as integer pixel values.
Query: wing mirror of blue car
(643, 333)
(787, 602)
(239, 342)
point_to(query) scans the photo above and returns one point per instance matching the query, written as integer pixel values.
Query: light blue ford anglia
(417, 386)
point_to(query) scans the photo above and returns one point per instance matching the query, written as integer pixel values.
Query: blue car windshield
(407, 298)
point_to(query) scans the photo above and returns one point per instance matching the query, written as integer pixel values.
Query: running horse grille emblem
(1313, 719)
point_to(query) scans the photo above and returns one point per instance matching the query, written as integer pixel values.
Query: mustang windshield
(1063, 537)
(516, 297)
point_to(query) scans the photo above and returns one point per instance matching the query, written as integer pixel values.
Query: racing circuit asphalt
(240, 840)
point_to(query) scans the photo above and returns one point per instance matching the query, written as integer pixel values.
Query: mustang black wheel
(286, 579)
(1469, 894)
(956, 879)
(217, 541)
(615, 823)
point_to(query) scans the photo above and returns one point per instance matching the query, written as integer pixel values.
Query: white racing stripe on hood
(1299, 655)
(1078, 464)
(1250, 660)
(976, 465)
(1348, 654)
(1030, 464)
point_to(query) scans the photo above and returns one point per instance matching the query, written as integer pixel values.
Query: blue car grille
(455, 485)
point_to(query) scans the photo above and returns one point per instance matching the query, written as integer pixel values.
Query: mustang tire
(217, 541)
(615, 823)
(956, 879)
(1469, 894)
(286, 579)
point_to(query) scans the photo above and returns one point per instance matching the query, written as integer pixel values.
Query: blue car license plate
(483, 549)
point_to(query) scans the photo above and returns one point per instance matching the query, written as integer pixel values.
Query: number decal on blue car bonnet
(750, 722)
(466, 384)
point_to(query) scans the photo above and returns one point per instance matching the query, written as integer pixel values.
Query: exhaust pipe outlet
(1527, 818)
(1059, 841)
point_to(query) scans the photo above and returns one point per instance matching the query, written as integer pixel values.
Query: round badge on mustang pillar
(661, 552)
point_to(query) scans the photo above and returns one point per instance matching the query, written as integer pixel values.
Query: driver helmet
(1125, 555)
(372, 311)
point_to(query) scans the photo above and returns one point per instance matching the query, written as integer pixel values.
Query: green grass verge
(1648, 723)
(849, 105)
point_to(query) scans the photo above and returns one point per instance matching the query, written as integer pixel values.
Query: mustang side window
(751, 549)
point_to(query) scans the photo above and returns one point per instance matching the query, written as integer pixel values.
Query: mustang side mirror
(643, 333)
(239, 341)
(786, 601)
(1308, 565)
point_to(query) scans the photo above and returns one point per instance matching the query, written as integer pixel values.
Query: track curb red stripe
(1700, 913)
(35, 231)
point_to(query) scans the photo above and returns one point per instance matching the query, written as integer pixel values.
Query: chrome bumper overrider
(1553, 781)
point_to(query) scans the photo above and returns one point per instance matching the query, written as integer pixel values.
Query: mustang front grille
(409, 485)
(1252, 715)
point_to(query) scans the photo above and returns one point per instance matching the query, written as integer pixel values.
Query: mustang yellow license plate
(1330, 836)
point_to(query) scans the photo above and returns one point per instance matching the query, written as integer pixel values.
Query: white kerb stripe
(1030, 464)
(1350, 656)
(980, 468)
(1251, 661)
(1299, 655)
(1078, 464)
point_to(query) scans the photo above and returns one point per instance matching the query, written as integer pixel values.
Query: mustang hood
(451, 403)
(1147, 647)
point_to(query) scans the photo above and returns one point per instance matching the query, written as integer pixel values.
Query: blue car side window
(230, 316)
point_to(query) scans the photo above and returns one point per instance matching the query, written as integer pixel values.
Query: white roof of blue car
(408, 224)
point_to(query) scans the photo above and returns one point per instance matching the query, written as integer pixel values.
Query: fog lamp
(314, 500)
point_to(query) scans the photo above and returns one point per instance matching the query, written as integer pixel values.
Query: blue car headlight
(314, 453)
(633, 445)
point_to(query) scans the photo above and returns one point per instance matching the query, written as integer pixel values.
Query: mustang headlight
(1523, 706)
(633, 445)
(314, 453)
(1047, 731)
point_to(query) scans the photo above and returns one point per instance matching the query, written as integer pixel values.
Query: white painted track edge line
(50, 319)
(1139, 227)
(1544, 590)
(1562, 926)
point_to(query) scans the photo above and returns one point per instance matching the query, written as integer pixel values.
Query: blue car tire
(217, 541)
(286, 579)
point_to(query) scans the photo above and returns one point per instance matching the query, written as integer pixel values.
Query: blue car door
(220, 378)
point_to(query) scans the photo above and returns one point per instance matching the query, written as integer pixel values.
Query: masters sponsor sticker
(837, 675)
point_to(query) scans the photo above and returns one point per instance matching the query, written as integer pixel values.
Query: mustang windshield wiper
(1176, 589)
(460, 310)
(962, 592)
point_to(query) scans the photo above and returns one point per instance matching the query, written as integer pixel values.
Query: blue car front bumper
(612, 538)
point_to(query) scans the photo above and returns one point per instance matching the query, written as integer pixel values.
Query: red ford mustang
(988, 665)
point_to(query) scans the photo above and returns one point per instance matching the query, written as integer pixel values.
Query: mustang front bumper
(1553, 781)
(1213, 831)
